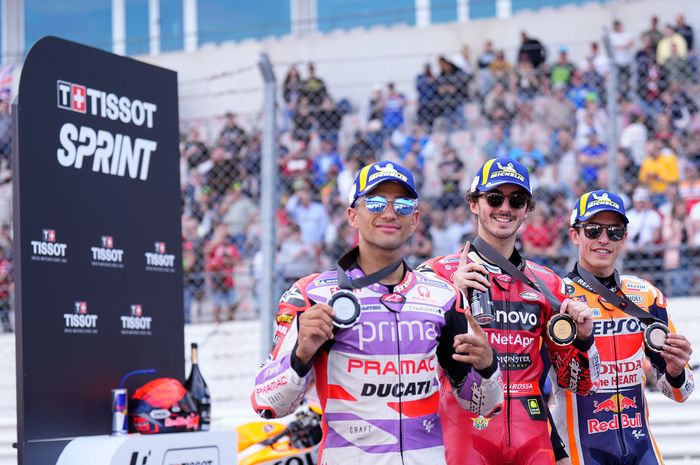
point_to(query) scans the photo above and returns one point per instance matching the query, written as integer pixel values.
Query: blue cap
(499, 171)
(373, 175)
(592, 203)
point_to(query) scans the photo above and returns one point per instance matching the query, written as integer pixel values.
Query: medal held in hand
(655, 336)
(346, 307)
(561, 329)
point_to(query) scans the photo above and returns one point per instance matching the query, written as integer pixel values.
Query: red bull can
(119, 412)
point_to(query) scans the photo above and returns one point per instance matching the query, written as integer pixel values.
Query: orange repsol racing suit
(612, 426)
(520, 433)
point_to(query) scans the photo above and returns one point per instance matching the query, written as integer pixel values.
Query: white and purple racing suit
(378, 380)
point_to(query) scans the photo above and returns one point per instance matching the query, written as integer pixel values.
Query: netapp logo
(113, 154)
(47, 249)
(107, 255)
(158, 260)
(80, 321)
(135, 324)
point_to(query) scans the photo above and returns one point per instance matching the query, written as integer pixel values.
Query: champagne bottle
(197, 387)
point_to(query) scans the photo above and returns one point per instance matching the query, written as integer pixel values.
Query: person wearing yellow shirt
(659, 169)
(671, 37)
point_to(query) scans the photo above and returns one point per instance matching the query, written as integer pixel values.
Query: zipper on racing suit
(397, 318)
(507, 368)
(620, 434)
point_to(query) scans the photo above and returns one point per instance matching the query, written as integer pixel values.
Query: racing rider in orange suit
(611, 427)
(500, 197)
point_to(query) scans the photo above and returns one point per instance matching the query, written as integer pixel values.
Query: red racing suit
(520, 433)
(377, 380)
(612, 426)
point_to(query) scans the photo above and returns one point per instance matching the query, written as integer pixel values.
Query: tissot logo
(80, 321)
(71, 96)
(159, 260)
(135, 323)
(107, 255)
(48, 249)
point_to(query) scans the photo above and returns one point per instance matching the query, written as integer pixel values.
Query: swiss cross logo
(48, 235)
(136, 310)
(81, 308)
(160, 247)
(107, 242)
(79, 98)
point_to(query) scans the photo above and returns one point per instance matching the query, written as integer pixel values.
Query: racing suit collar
(515, 258)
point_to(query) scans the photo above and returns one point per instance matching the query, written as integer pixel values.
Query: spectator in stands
(628, 174)
(420, 245)
(292, 88)
(579, 91)
(463, 61)
(679, 107)
(499, 105)
(5, 288)
(596, 61)
(685, 30)
(309, 215)
(634, 138)
(451, 172)
(622, 44)
(692, 147)
(192, 266)
(232, 137)
(361, 149)
(443, 242)
(592, 157)
(541, 241)
(295, 165)
(501, 71)
(527, 80)
(676, 67)
(689, 187)
(653, 34)
(314, 89)
(488, 55)
(392, 115)
(659, 169)
(564, 157)
(302, 122)
(5, 130)
(426, 88)
(291, 93)
(221, 258)
(650, 79)
(452, 94)
(223, 172)
(593, 80)
(562, 69)
(498, 144)
(533, 49)
(329, 119)
(326, 165)
(590, 118)
(530, 156)
(555, 111)
(643, 233)
(295, 258)
(347, 176)
(237, 210)
(194, 150)
(664, 49)
(417, 142)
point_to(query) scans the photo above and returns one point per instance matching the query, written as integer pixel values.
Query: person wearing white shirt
(643, 232)
(623, 53)
(634, 138)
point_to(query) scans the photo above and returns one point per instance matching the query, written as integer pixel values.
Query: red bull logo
(600, 426)
(616, 403)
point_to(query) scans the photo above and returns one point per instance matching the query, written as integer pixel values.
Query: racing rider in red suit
(377, 378)
(611, 427)
(500, 197)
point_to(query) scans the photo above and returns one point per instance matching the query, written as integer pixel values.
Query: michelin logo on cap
(498, 171)
(594, 202)
(372, 175)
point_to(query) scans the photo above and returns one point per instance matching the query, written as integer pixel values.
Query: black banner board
(97, 244)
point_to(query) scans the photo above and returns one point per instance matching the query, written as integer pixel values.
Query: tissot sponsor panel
(98, 235)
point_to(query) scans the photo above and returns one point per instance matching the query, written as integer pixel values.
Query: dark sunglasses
(402, 206)
(615, 232)
(516, 200)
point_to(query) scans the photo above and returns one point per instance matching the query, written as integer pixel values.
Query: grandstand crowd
(546, 111)
(537, 106)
